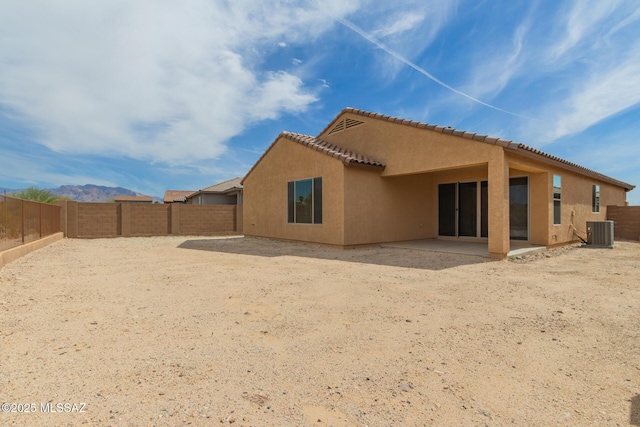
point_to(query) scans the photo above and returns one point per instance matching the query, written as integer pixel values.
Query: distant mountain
(92, 193)
(6, 190)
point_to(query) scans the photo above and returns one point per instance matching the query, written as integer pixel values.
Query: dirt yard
(167, 331)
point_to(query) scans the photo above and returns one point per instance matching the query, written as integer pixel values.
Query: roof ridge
(423, 125)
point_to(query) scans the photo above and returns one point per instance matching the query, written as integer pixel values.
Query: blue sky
(156, 95)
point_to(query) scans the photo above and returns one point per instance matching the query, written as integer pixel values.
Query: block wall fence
(92, 220)
(626, 221)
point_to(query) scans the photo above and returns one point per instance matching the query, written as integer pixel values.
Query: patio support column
(71, 218)
(498, 188)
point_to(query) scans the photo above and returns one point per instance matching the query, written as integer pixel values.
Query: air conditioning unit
(600, 234)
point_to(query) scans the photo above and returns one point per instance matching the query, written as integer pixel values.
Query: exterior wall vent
(600, 234)
(345, 124)
(338, 128)
(351, 123)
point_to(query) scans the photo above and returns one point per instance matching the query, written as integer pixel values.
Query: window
(557, 197)
(305, 201)
(595, 199)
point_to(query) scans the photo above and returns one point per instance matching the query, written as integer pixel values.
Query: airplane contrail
(353, 27)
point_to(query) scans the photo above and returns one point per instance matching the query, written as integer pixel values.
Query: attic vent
(351, 123)
(338, 128)
(345, 124)
(600, 234)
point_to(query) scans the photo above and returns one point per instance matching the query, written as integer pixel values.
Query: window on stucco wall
(557, 199)
(595, 199)
(304, 199)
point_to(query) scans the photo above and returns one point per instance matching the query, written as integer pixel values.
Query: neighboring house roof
(171, 196)
(224, 187)
(349, 158)
(521, 149)
(146, 199)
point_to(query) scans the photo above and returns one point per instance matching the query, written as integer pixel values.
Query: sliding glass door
(459, 213)
(463, 209)
(447, 209)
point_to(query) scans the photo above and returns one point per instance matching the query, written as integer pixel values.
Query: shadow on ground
(393, 257)
(634, 413)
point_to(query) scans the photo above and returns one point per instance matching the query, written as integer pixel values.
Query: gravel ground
(173, 331)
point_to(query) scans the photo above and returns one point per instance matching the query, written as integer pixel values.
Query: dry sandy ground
(250, 332)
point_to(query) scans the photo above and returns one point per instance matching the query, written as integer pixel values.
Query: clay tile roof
(508, 144)
(172, 195)
(347, 157)
(577, 167)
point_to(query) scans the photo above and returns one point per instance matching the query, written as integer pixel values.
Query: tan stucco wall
(265, 194)
(387, 209)
(576, 200)
(539, 205)
(408, 150)
(576, 205)
(362, 206)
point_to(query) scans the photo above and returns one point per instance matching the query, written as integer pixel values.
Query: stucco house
(228, 192)
(369, 178)
(176, 196)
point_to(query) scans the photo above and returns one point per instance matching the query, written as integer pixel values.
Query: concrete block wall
(626, 221)
(206, 219)
(88, 220)
(98, 219)
(149, 220)
(239, 219)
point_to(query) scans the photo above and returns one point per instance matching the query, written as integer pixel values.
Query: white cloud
(408, 27)
(606, 93)
(596, 76)
(499, 69)
(161, 81)
(634, 16)
(582, 20)
(404, 21)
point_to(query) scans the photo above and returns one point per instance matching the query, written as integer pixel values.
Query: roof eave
(369, 166)
(569, 166)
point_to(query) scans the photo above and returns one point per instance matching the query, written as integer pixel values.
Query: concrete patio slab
(459, 247)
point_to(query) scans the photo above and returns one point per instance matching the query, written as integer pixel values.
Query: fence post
(174, 212)
(125, 219)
